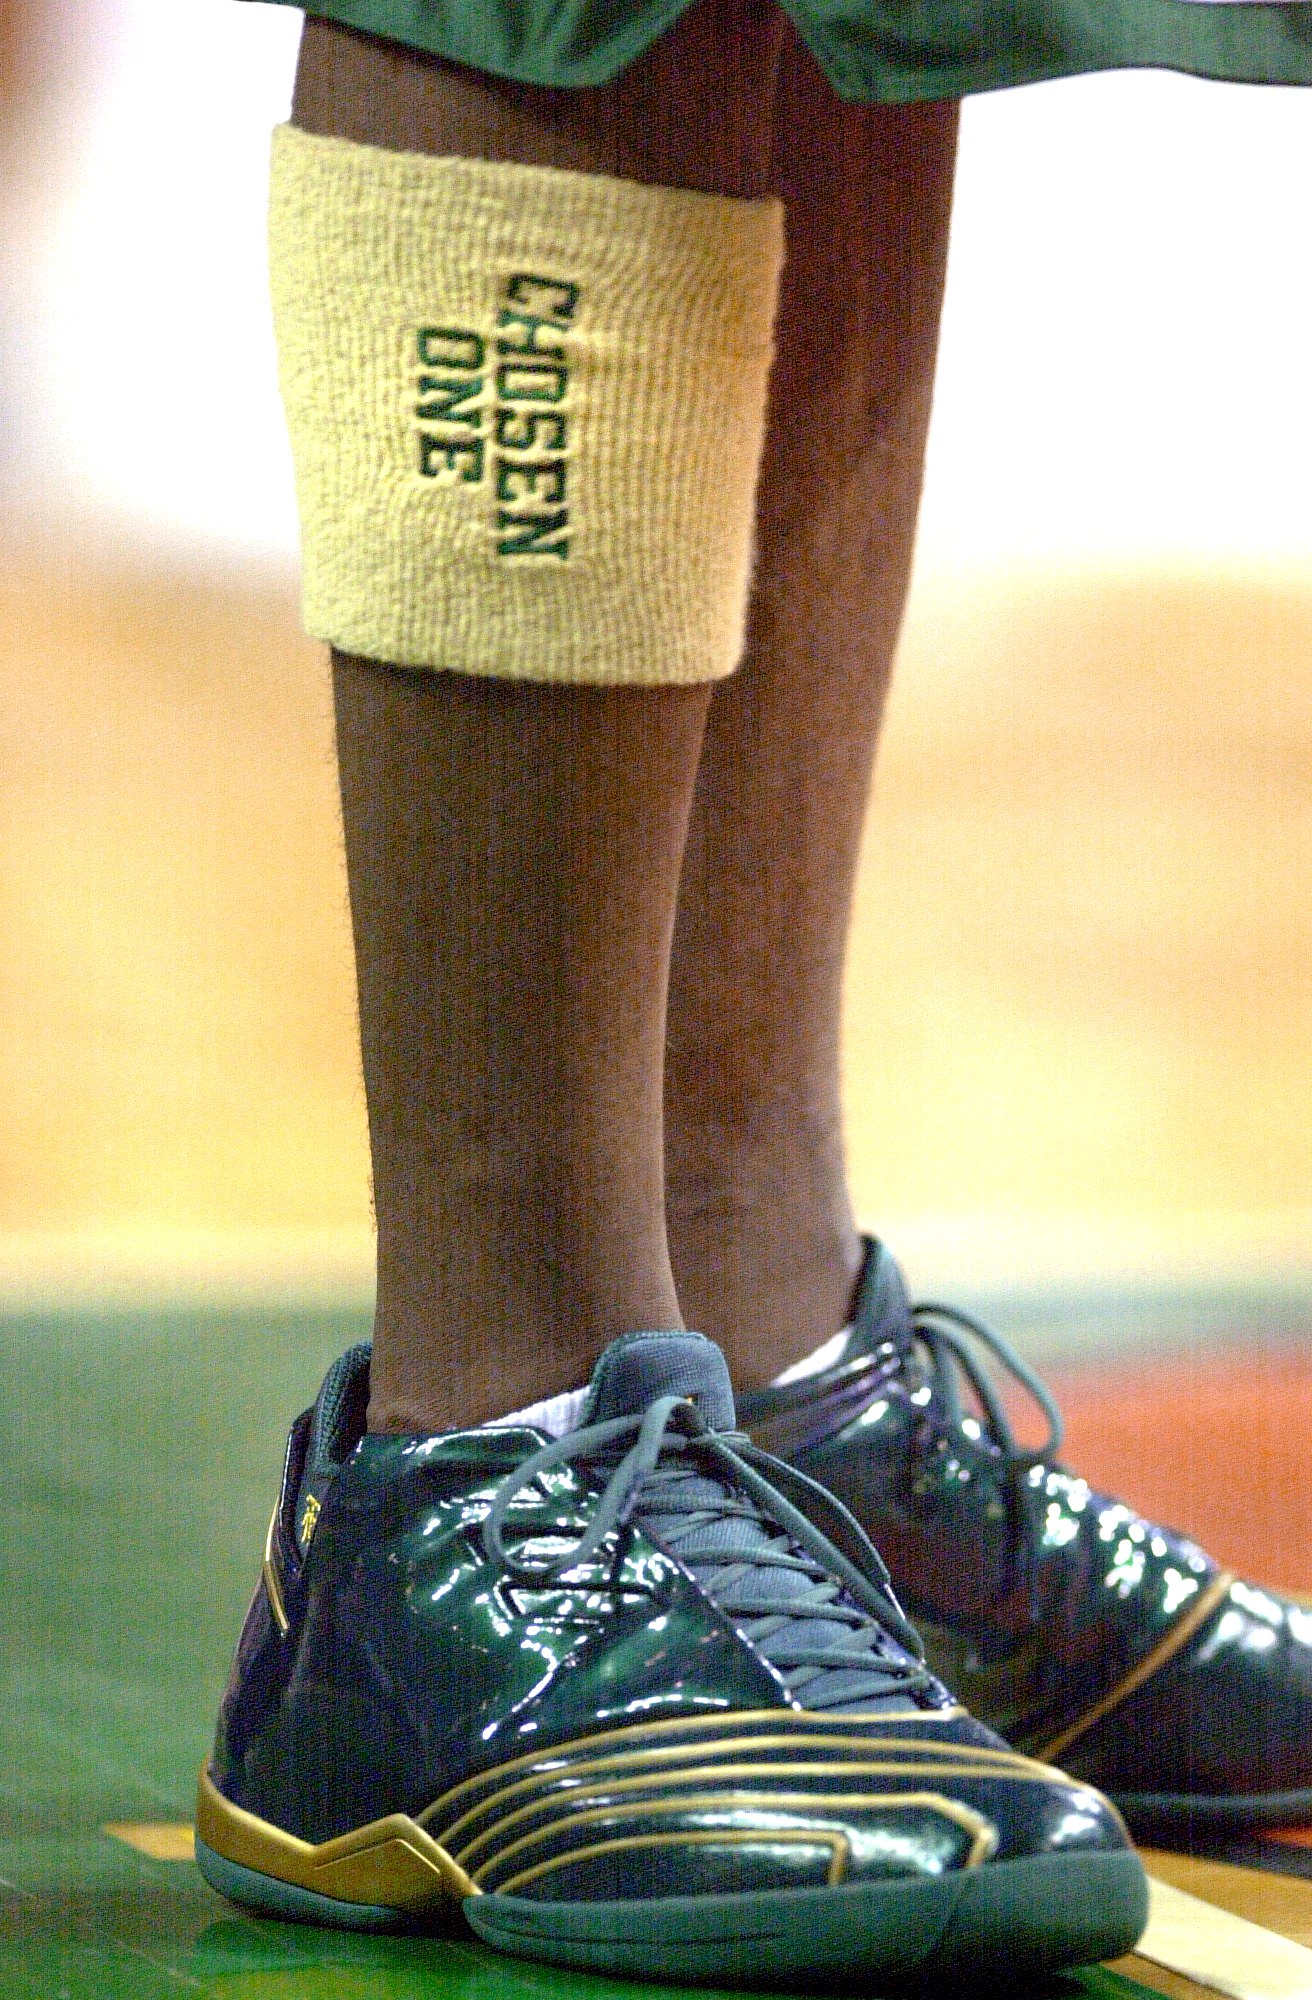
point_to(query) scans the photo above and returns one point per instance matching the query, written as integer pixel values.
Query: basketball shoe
(634, 1697)
(1070, 1625)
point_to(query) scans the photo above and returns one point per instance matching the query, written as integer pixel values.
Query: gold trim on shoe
(807, 1730)
(272, 1581)
(984, 1835)
(1166, 1648)
(837, 1843)
(564, 1801)
(883, 1757)
(391, 1861)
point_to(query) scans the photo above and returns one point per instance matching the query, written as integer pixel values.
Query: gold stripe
(835, 1842)
(390, 1861)
(959, 1760)
(272, 1585)
(779, 1718)
(1166, 1648)
(984, 1837)
(955, 1761)
(553, 1760)
(554, 1801)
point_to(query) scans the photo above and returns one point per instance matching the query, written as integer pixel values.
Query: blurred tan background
(1082, 977)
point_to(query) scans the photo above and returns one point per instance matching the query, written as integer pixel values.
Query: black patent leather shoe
(1077, 1630)
(635, 1698)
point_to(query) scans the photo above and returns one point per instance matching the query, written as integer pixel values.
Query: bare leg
(514, 852)
(761, 1231)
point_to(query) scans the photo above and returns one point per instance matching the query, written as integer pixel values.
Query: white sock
(815, 1363)
(556, 1415)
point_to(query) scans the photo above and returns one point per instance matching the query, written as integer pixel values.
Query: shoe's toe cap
(1225, 1724)
(1033, 1808)
(790, 1848)
(800, 1801)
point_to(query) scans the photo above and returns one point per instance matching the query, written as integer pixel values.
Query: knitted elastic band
(526, 409)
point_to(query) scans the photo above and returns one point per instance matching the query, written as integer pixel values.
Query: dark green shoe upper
(640, 1660)
(1073, 1627)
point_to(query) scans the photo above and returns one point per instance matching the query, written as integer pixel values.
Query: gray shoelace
(945, 1333)
(830, 1626)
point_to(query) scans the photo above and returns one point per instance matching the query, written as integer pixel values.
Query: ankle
(768, 1279)
(497, 1322)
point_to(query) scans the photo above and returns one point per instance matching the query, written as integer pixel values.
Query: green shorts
(874, 51)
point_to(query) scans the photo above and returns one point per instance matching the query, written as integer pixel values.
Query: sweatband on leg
(526, 409)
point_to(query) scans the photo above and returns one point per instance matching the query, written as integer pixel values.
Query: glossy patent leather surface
(1052, 1610)
(609, 1735)
(985, 1565)
(1228, 1717)
(409, 1666)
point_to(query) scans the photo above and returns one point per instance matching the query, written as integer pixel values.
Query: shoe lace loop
(695, 1477)
(945, 1333)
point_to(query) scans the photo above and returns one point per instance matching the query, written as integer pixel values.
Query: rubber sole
(1027, 1916)
(269, 1897)
(1156, 1812)
(1022, 1917)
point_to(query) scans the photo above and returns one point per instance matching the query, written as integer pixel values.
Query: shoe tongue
(685, 1511)
(639, 1367)
(883, 1309)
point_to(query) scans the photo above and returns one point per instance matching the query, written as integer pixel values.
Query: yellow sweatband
(526, 409)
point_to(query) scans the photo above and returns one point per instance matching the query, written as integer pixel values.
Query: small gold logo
(309, 1515)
